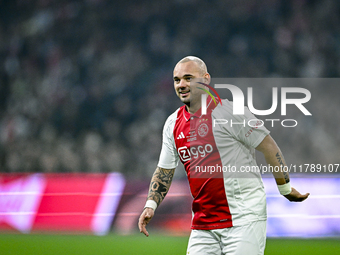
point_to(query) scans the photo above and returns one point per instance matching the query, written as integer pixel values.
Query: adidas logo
(181, 136)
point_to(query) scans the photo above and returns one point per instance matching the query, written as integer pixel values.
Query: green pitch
(18, 244)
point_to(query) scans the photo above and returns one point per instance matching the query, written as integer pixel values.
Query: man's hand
(295, 196)
(144, 219)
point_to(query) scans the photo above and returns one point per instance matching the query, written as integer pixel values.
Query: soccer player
(229, 210)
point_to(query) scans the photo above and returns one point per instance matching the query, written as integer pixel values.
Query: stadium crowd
(85, 86)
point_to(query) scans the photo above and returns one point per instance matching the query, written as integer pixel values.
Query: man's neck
(193, 108)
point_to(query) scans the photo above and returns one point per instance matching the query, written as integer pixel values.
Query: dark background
(85, 86)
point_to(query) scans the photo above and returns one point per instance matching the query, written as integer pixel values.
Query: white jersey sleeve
(253, 132)
(169, 158)
(245, 128)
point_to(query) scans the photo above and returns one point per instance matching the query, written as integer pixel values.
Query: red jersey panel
(196, 147)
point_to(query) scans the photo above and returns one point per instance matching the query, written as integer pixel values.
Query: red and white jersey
(217, 151)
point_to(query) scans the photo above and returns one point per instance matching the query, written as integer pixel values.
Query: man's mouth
(184, 93)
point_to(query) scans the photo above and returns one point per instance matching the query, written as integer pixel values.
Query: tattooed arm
(159, 187)
(160, 184)
(275, 159)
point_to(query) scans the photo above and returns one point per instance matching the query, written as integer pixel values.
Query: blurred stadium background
(85, 88)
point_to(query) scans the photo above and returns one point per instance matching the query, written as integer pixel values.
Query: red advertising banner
(59, 202)
(93, 203)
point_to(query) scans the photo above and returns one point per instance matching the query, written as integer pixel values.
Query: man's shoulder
(172, 117)
(225, 110)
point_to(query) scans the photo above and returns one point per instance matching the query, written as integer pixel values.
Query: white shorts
(240, 240)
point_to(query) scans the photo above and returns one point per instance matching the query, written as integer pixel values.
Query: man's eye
(189, 79)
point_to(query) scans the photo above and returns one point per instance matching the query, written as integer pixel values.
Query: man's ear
(207, 78)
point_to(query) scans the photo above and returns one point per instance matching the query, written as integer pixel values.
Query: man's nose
(183, 83)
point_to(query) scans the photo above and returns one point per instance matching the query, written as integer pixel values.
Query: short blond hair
(200, 63)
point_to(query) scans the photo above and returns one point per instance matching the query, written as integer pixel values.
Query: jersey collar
(210, 106)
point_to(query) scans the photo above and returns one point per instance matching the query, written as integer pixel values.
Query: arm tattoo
(160, 184)
(280, 160)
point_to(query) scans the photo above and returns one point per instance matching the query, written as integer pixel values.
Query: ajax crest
(203, 130)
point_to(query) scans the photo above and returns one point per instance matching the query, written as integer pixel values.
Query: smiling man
(185, 71)
(229, 209)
